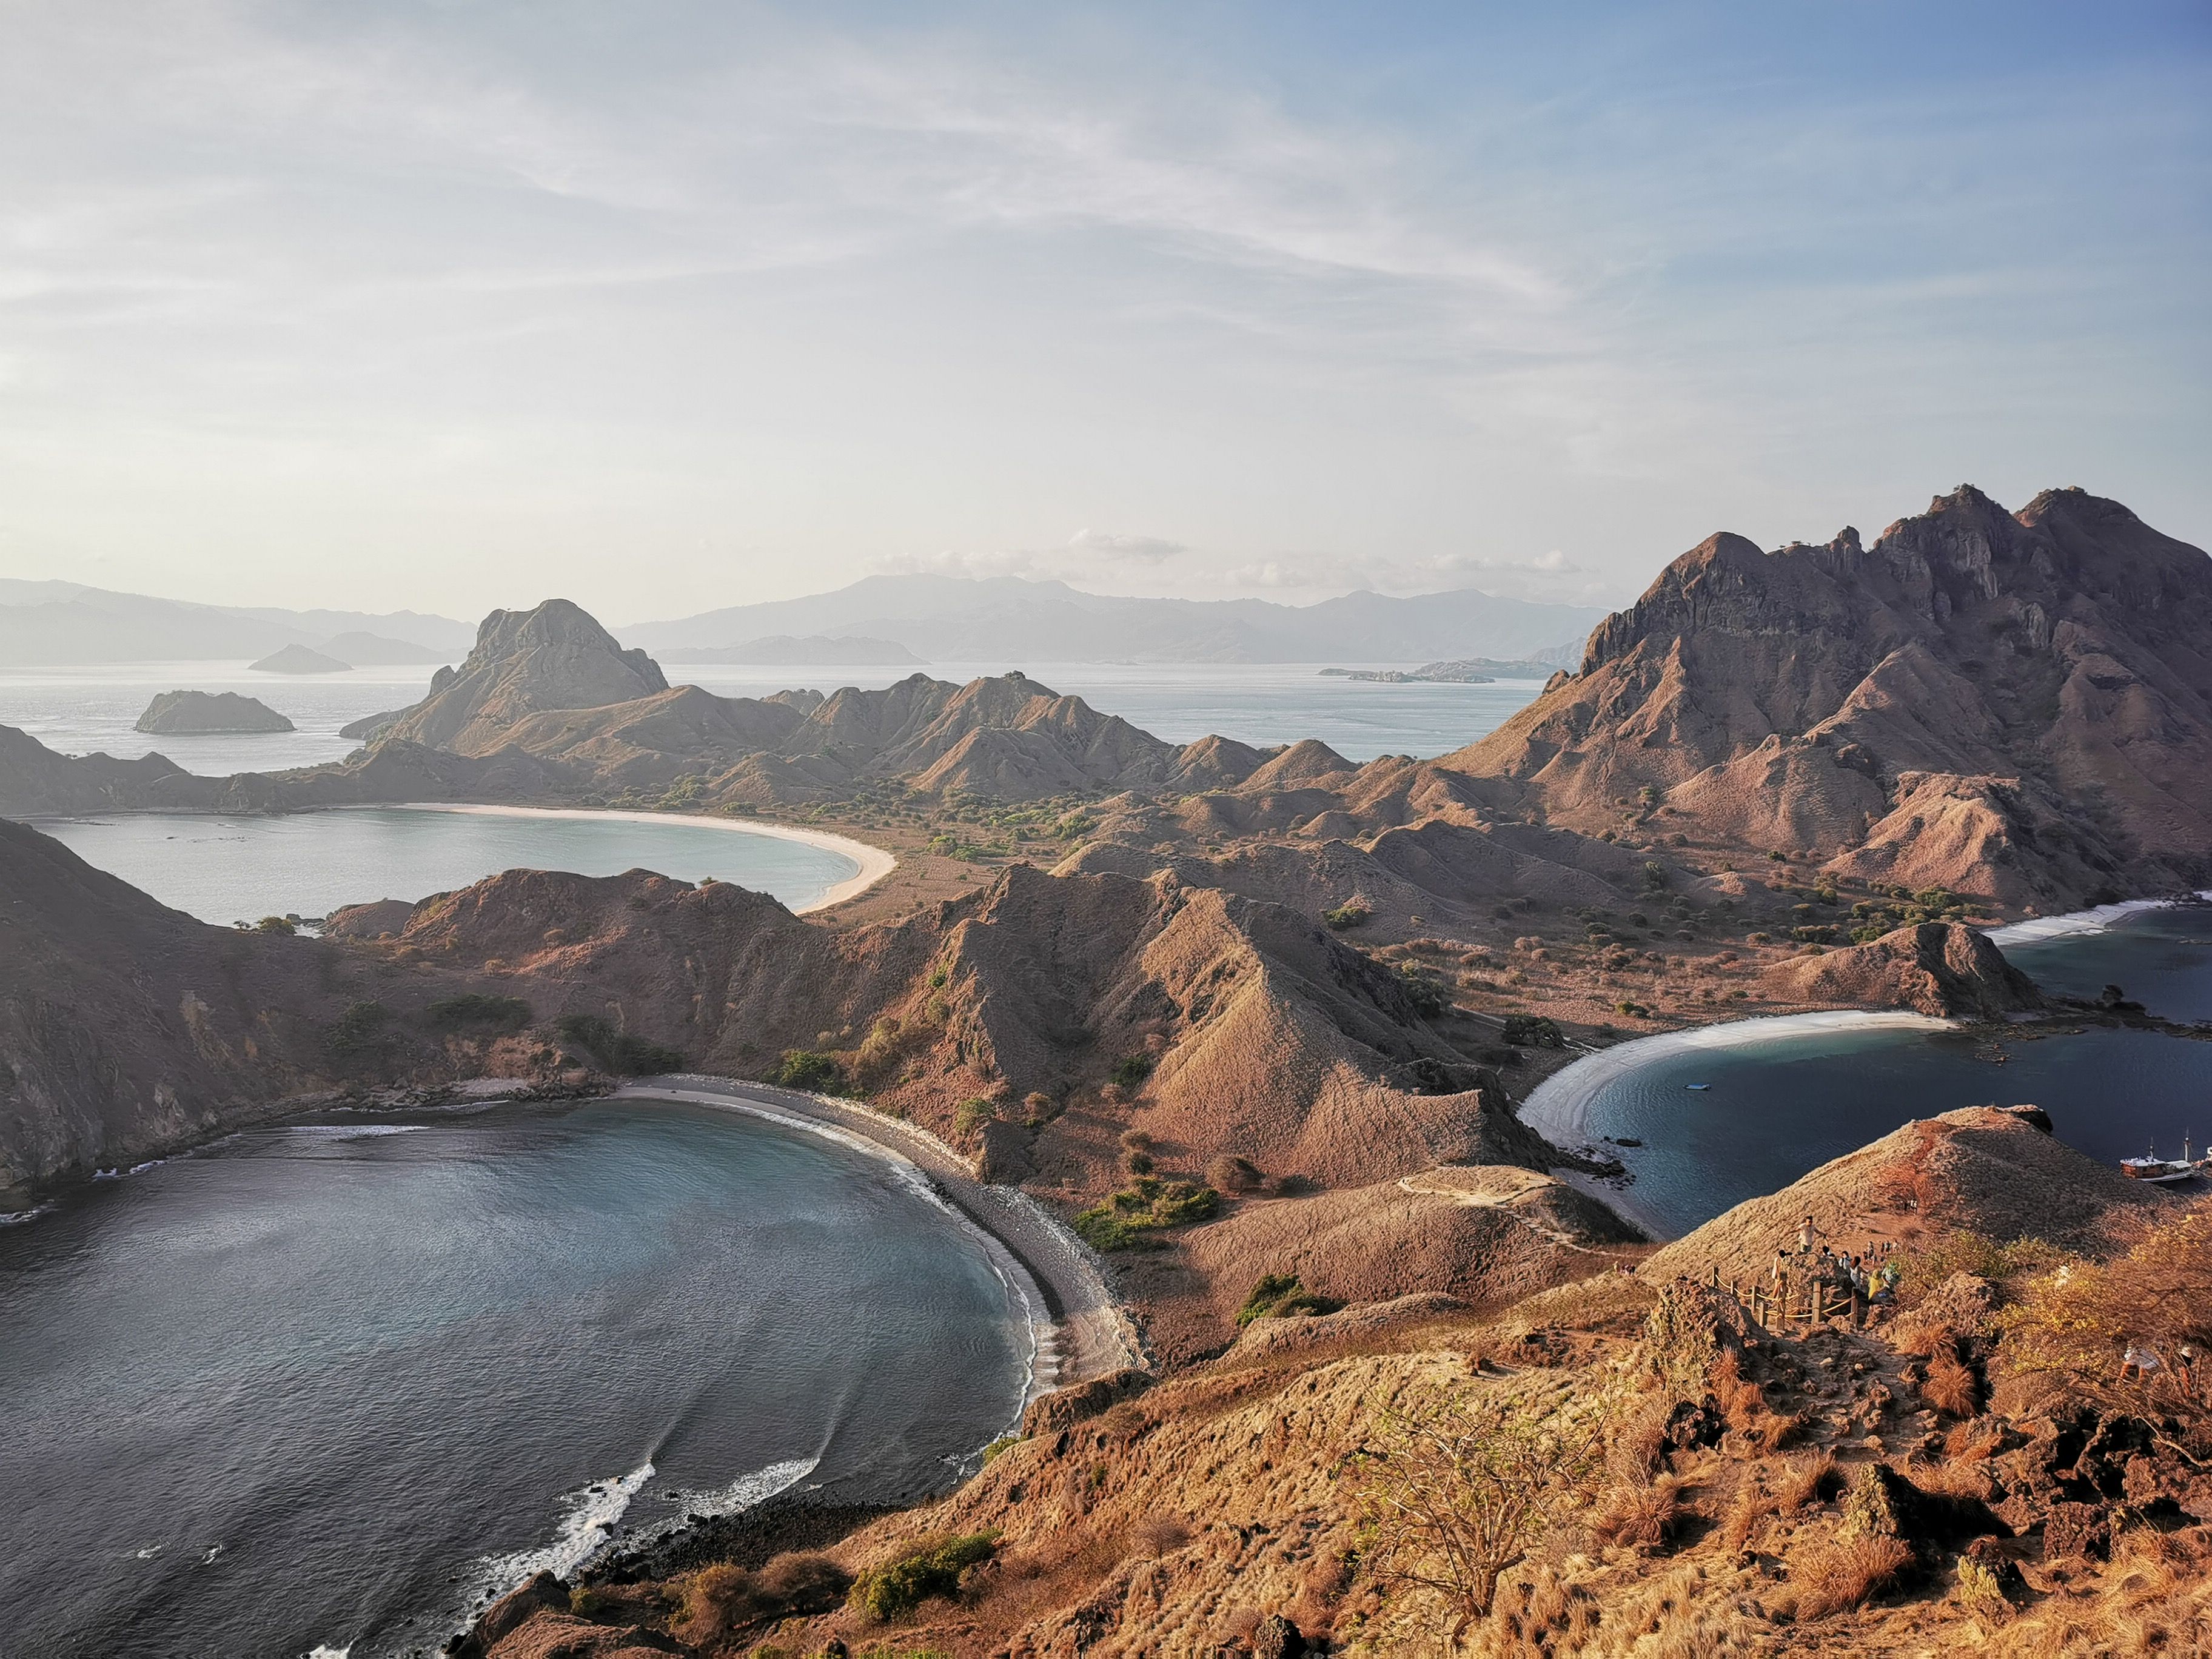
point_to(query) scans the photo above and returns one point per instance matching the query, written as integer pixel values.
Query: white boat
(2161, 1171)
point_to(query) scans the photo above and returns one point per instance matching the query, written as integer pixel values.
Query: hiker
(2136, 1363)
(1806, 1235)
(2185, 1370)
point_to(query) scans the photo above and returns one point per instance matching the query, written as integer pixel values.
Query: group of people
(1867, 1278)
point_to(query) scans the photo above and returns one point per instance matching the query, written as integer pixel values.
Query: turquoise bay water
(231, 869)
(333, 1383)
(1779, 1107)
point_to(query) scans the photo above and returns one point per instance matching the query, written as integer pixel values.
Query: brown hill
(1939, 969)
(1983, 1169)
(126, 1026)
(2013, 706)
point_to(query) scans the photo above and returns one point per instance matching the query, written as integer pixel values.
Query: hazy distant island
(299, 659)
(209, 713)
(1460, 671)
(811, 650)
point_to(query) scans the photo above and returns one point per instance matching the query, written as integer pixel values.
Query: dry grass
(1641, 1448)
(1638, 1515)
(1952, 1387)
(1970, 1478)
(1743, 1402)
(2147, 1602)
(1840, 1574)
(1807, 1480)
(1753, 1504)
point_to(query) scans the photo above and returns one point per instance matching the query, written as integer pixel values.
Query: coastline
(1559, 1107)
(1079, 1330)
(2097, 920)
(873, 863)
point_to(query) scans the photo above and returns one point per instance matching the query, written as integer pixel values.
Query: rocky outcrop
(179, 713)
(524, 663)
(1939, 969)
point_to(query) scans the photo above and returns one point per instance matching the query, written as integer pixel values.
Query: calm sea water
(233, 869)
(1783, 1106)
(82, 710)
(332, 1384)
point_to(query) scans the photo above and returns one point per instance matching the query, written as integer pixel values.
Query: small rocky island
(299, 659)
(209, 713)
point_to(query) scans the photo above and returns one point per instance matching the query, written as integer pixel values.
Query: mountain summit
(2023, 698)
(524, 663)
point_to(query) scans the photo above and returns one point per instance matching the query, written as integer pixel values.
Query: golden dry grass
(1835, 1574)
(1806, 1481)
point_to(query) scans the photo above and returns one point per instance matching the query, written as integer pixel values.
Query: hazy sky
(667, 306)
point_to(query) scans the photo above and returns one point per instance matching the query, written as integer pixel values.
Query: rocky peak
(527, 662)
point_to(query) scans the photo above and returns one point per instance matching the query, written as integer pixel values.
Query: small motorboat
(2161, 1171)
(1697, 1088)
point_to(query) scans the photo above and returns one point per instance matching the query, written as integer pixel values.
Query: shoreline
(1079, 1330)
(2098, 919)
(1558, 1106)
(872, 863)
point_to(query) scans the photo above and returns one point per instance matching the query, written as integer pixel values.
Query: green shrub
(274, 925)
(1351, 915)
(1146, 1205)
(901, 1585)
(360, 1028)
(472, 1010)
(615, 1050)
(970, 1113)
(1428, 997)
(803, 1068)
(1532, 1031)
(1281, 1296)
(1000, 1447)
(1131, 1070)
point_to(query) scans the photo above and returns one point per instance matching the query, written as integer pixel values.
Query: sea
(1726, 1114)
(324, 1388)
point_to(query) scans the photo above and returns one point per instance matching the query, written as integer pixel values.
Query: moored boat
(2163, 1170)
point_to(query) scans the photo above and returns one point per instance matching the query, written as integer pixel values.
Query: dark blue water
(329, 1385)
(1779, 1107)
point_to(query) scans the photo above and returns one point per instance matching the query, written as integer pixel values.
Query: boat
(1697, 1088)
(2162, 1171)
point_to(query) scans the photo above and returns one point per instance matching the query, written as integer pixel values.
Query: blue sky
(667, 306)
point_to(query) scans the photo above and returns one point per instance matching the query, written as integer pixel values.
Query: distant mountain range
(57, 624)
(1011, 619)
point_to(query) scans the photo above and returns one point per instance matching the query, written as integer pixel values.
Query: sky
(663, 306)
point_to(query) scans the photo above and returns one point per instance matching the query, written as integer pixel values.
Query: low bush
(972, 1113)
(472, 1011)
(276, 925)
(1147, 1205)
(904, 1583)
(614, 1050)
(724, 1597)
(1429, 998)
(806, 1069)
(1532, 1031)
(1281, 1295)
(360, 1029)
(1344, 916)
(1131, 1070)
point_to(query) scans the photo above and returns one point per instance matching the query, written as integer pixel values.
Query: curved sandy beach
(2079, 921)
(1080, 1330)
(872, 863)
(1559, 1107)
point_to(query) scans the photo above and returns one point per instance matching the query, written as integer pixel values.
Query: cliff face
(2013, 705)
(126, 1025)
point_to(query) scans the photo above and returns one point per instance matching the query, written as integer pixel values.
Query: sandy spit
(873, 861)
(2077, 922)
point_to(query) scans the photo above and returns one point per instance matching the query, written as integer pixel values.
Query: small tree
(1460, 1486)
